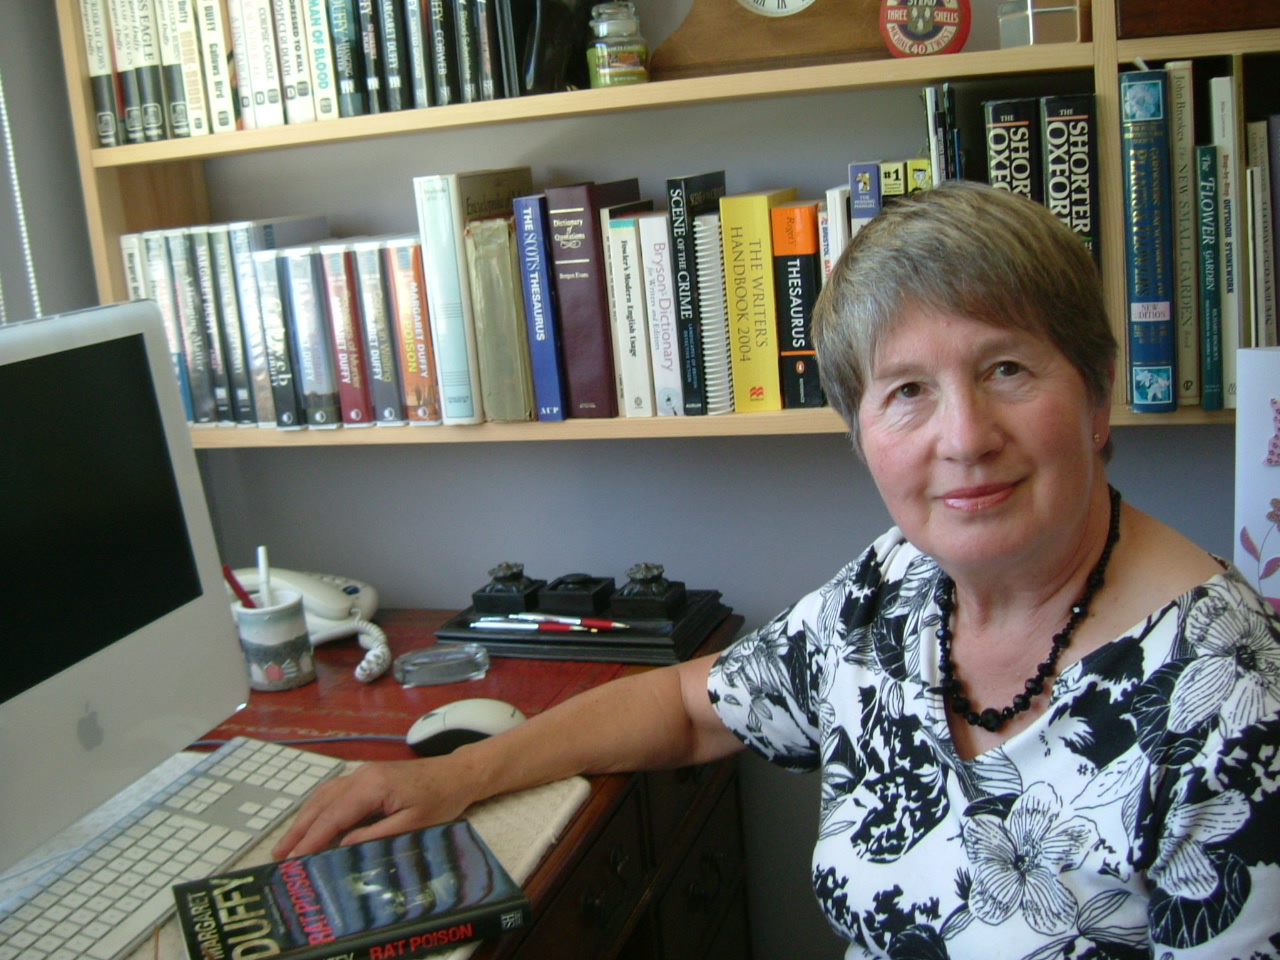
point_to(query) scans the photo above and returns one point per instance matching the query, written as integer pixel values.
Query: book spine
(469, 927)
(295, 67)
(839, 220)
(187, 36)
(1264, 278)
(446, 85)
(1232, 276)
(1182, 175)
(751, 299)
(660, 299)
(276, 325)
(864, 194)
(124, 50)
(1013, 146)
(893, 181)
(264, 63)
(348, 58)
(218, 62)
(540, 311)
(505, 378)
(393, 48)
(688, 197)
(919, 174)
(251, 328)
(488, 49)
(630, 323)
(97, 47)
(324, 80)
(337, 268)
(237, 363)
(797, 278)
(466, 44)
(211, 311)
(159, 286)
(190, 318)
(1209, 250)
(315, 370)
(235, 14)
(150, 72)
(371, 53)
(1069, 150)
(708, 252)
(133, 256)
(824, 241)
(418, 47)
(177, 116)
(1144, 152)
(403, 269)
(379, 336)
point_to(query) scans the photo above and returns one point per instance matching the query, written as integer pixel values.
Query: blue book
(540, 311)
(1210, 249)
(864, 194)
(1148, 220)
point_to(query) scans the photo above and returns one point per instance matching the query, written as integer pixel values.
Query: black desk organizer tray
(667, 622)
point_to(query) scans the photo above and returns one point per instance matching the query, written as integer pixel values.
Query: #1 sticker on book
(918, 28)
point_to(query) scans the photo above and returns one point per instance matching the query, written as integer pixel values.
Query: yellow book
(750, 302)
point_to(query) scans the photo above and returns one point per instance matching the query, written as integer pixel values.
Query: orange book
(797, 278)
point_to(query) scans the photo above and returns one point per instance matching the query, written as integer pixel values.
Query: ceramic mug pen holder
(275, 641)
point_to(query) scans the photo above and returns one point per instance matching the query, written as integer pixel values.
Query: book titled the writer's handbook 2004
(401, 896)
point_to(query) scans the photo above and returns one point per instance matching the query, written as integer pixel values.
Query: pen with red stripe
(528, 625)
(595, 623)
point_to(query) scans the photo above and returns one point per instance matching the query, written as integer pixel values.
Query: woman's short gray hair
(970, 250)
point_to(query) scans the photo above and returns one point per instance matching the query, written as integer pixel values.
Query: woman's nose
(969, 428)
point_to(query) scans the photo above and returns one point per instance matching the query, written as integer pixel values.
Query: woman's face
(980, 440)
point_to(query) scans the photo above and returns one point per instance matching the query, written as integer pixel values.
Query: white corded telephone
(334, 607)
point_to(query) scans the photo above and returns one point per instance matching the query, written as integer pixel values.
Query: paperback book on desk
(402, 896)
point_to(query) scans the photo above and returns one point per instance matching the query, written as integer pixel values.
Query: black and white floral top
(1138, 816)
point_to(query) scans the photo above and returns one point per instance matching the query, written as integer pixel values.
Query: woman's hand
(402, 795)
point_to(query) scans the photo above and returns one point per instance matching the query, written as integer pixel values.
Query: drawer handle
(593, 908)
(618, 862)
(705, 888)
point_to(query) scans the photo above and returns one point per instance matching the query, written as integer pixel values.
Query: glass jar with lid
(619, 54)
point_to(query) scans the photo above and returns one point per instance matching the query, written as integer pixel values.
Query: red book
(408, 294)
(338, 266)
(578, 261)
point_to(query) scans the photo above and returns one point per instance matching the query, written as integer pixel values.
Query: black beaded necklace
(952, 689)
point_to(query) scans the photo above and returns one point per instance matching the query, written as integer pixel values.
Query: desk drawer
(671, 795)
(582, 922)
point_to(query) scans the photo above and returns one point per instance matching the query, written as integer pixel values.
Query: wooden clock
(729, 36)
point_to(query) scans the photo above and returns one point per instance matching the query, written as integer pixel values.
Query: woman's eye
(908, 391)
(1008, 368)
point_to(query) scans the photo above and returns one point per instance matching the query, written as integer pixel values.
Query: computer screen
(118, 640)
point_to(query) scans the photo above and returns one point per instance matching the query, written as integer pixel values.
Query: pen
(241, 594)
(595, 623)
(528, 625)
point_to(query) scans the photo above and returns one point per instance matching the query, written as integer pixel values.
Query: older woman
(1047, 724)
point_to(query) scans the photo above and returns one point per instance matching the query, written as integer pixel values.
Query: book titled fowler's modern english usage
(403, 896)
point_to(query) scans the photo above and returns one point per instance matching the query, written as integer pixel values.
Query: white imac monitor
(117, 638)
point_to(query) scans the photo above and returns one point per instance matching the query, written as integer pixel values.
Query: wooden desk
(651, 866)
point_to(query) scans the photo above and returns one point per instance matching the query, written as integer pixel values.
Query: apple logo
(88, 729)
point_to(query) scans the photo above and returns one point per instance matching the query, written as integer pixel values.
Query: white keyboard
(109, 895)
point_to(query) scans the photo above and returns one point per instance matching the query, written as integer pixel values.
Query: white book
(708, 253)
(234, 10)
(187, 34)
(824, 240)
(124, 53)
(258, 23)
(156, 123)
(134, 254)
(630, 320)
(838, 219)
(1235, 306)
(178, 112)
(1186, 259)
(1257, 154)
(158, 279)
(660, 299)
(218, 61)
(445, 204)
(324, 84)
(97, 49)
(937, 149)
(295, 61)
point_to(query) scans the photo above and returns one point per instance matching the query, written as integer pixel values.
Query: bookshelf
(148, 186)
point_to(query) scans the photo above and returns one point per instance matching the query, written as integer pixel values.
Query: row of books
(160, 69)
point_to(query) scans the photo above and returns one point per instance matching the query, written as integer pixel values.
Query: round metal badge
(918, 28)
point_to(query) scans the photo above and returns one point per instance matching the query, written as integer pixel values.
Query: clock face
(776, 8)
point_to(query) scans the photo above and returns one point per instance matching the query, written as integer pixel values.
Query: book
(401, 896)
(189, 315)
(1257, 155)
(750, 298)
(418, 53)
(1186, 269)
(133, 256)
(337, 265)
(324, 78)
(124, 44)
(210, 306)
(177, 119)
(186, 40)
(295, 62)
(369, 32)
(1225, 111)
(239, 41)
(95, 22)
(488, 49)
(1209, 252)
(315, 371)
(1144, 152)
(1068, 130)
(919, 174)
(797, 270)
(577, 253)
(627, 310)
(687, 197)
(466, 44)
(839, 220)
(277, 322)
(506, 381)
(239, 379)
(219, 65)
(893, 181)
(708, 252)
(381, 336)
(146, 58)
(446, 84)
(160, 288)
(935, 127)
(864, 194)
(658, 266)
(407, 302)
(348, 58)
(263, 63)
(393, 52)
(541, 314)
(445, 204)
(1013, 146)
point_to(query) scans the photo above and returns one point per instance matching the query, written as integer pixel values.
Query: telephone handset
(334, 607)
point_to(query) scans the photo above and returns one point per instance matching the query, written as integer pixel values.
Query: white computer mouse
(446, 728)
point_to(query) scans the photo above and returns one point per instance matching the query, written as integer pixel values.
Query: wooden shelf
(793, 81)
(783, 423)
(1198, 45)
